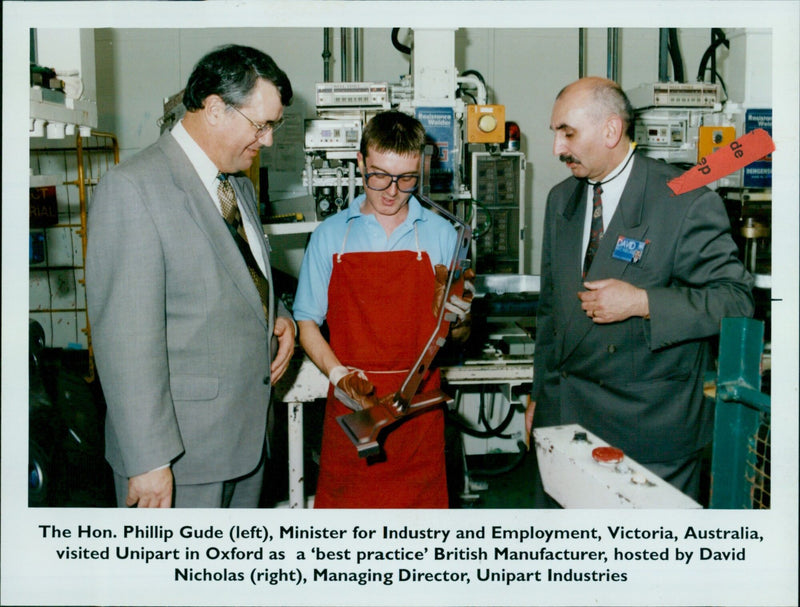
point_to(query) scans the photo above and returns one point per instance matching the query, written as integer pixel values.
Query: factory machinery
(477, 175)
(477, 171)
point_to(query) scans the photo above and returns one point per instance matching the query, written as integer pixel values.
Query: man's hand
(151, 489)
(284, 331)
(355, 384)
(610, 300)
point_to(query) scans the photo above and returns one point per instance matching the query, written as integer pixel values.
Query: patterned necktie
(233, 217)
(596, 230)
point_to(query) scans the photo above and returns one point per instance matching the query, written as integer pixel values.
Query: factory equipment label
(758, 174)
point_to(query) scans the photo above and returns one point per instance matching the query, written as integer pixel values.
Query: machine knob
(487, 123)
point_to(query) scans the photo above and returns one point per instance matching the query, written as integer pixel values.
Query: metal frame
(740, 455)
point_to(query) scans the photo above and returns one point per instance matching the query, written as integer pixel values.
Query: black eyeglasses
(383, 181)
(261, 129)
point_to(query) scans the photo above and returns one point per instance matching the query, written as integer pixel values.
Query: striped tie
(232, 216)
(596, 230)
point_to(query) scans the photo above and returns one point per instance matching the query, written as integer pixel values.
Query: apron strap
(347, 233)
(344, 241)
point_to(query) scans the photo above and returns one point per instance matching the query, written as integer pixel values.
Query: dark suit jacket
(637, 384)
(178, 329)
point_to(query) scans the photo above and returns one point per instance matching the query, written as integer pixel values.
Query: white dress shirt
(207, 171)
(613, 185)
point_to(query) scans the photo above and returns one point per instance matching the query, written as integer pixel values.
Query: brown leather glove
(441, 273)
(359, 388)
(461, 328)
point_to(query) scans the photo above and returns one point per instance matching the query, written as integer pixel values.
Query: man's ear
(613, 131)
(213, 109)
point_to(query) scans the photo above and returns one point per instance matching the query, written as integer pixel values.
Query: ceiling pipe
(343, 49)
(326, 54)
(612, 65)
(663, 54)
(357, 55)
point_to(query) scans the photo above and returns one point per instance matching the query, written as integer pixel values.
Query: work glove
(355, 384)
(460, 306)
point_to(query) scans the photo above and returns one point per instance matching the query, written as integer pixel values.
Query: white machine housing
(574, 479)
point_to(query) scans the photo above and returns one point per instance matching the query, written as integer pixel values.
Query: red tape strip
(753, 146)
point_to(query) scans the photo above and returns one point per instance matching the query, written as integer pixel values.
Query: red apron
(380, 318)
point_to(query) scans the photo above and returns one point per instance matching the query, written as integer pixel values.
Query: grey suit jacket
(638, 383)
(181, 344)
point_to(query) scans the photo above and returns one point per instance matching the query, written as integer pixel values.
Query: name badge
(628, 249)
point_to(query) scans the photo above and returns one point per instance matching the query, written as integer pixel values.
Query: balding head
(591, 122)
(602, 98)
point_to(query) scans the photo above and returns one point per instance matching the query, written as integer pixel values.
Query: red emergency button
(607, 455)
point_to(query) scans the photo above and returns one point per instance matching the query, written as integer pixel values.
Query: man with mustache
(635, 281)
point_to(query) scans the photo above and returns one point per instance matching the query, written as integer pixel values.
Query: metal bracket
(364, 426)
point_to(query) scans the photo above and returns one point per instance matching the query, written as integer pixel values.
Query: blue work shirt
(434, 235)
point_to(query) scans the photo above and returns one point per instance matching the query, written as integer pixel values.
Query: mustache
(568, 158)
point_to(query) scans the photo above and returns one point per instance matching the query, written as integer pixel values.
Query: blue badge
(628, 249)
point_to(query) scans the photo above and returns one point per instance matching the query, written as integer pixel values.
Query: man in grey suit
(623, 334)
(181, 306)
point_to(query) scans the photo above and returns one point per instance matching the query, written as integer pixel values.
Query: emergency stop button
(607, 455)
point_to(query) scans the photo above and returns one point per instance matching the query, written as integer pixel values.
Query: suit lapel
(626, 221)
(207, 217)
(567, 260)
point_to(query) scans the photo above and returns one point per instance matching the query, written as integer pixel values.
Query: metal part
(363, 427)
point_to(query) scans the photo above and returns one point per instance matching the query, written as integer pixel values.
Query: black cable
(475, 73)
(463, 93)
(675, 55)
(491, 433)
(724, 86)
(717, 38)
(397, 44)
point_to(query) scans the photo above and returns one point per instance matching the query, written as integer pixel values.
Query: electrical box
(497, 185)
(711, 138)
(352, 94)
(576, 475)
(486, 123)
(332, 134)
(676, 94)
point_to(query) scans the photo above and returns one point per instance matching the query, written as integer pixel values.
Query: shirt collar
(205, 168)
(414, 209)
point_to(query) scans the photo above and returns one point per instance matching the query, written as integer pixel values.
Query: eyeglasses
(383, 181)
(261, 129)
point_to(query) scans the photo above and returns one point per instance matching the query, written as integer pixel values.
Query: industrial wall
(524, 70)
